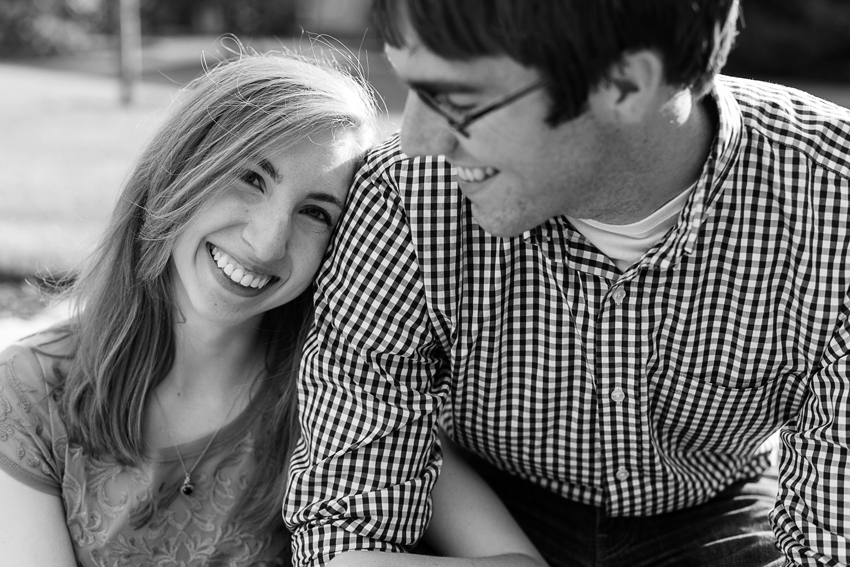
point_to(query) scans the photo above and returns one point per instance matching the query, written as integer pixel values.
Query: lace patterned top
(129, 515)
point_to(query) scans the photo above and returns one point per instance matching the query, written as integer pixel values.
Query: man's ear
(632, 89)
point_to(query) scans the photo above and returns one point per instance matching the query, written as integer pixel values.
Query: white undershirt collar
(625, 244)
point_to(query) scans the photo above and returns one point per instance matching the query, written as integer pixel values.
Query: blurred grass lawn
(66, 147)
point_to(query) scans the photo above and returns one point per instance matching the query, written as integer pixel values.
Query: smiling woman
(259, 244)
(155, 424)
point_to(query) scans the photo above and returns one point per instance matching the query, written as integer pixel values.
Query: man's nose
(268, 232)
(423, 131)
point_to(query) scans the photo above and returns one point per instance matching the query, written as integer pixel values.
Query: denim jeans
(731, 530)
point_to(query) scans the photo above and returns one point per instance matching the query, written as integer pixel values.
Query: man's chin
(497, 223)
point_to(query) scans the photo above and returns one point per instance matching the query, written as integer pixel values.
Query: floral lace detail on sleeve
(26, 449)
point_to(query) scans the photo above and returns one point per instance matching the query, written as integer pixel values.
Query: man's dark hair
(573, 42)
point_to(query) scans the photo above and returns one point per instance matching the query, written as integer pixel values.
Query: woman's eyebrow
(267, 166)
(326, 198)
(270, 169)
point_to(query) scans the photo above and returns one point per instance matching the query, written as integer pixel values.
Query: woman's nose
(423, 131)
(268, 232)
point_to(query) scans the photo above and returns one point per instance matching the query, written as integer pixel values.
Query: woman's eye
(319, 214)
(255, 179)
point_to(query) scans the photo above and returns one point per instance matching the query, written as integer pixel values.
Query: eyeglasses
(460, 121)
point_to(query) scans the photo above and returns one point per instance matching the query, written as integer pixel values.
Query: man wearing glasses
(609, 273)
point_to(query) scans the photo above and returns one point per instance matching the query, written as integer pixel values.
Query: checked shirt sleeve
(812, 517)
(367, 460)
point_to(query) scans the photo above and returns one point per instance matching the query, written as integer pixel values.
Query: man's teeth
(475, 173)
(237, 272)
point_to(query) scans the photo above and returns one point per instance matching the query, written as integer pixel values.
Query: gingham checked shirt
(642, 391)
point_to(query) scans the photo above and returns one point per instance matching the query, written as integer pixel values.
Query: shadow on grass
(21, 298)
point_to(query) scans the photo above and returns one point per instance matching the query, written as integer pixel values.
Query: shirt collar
(709, 185)
(725, 147)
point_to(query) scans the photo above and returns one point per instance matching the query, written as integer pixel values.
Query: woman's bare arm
(470, 527)
(33, 532)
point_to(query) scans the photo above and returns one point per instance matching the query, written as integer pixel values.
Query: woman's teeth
(236, 272)
(475, 173)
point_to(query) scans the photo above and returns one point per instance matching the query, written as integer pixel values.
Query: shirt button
(619, 295)
(618, 395)
(622, 473)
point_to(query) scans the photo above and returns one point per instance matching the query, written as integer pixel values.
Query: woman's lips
(236, 271)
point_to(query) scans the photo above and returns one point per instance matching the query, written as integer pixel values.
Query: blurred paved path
(177, 60)
(14, 328)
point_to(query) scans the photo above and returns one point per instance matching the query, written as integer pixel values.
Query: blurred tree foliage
(242, 17)
(779, 38)
(46, 27)
(793, 38)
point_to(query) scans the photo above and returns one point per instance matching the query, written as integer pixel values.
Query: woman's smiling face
(259, 244)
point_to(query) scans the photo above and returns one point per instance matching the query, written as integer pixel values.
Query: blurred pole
(129, 48)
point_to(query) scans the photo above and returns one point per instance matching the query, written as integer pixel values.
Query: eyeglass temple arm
(460, 126)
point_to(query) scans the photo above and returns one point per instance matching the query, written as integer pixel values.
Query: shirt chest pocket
(690, 414)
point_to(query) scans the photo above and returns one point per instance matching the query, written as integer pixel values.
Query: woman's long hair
(124, 315)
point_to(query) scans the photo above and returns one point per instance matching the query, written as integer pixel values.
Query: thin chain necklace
(187, 488)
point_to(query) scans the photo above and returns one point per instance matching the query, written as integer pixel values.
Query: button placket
(618, 395)
(623, 409)
(618, 295)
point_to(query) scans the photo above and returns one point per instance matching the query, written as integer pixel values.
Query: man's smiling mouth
(475, 174)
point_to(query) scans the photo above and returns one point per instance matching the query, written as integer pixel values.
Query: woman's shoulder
(32, 433)
(41, 357)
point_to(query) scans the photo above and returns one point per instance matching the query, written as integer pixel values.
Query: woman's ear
(632, 89)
